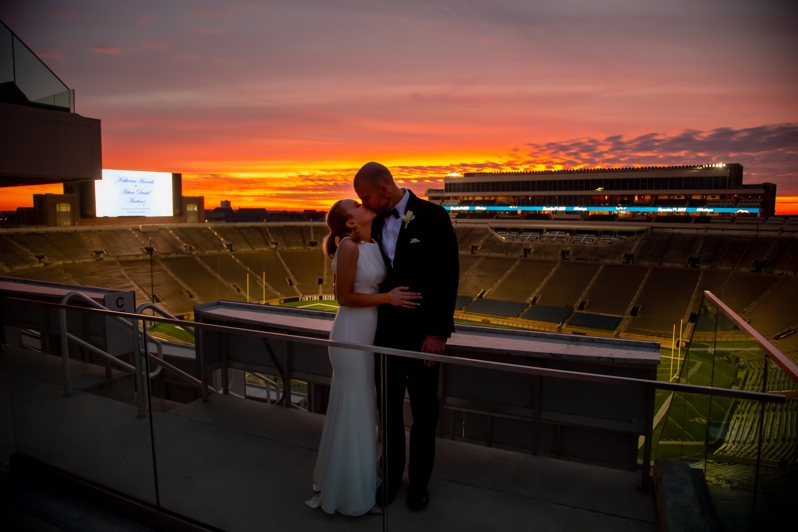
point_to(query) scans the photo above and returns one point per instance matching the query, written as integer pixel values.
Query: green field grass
(694, 422)
(172, 332)
(327, 306)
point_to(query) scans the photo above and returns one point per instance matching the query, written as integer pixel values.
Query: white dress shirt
(390, 230)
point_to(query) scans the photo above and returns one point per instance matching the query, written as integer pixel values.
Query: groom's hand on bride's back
(433, 345)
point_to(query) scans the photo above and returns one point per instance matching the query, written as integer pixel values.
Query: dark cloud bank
(768, 153)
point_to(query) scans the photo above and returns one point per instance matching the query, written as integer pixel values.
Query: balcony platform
(244, 465)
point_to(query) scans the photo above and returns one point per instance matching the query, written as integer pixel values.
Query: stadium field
(327, 305)
(332, 306)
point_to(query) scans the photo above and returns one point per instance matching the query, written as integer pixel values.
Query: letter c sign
(121, 301)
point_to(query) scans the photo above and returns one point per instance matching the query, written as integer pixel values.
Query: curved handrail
(65, 337)
(157, 357)
(86, 299)
(162, 312)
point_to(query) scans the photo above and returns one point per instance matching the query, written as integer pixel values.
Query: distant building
(226, 213)
(699, 190)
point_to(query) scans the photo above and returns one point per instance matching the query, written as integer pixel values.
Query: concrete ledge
(683, 499)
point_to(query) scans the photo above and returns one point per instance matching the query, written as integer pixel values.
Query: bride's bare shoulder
(348, 248)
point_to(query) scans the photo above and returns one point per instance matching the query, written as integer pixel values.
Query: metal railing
(648, 385)
(137, 369)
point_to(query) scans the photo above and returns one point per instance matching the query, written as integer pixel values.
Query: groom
(419, 248)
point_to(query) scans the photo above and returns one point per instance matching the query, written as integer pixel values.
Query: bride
(345, 477)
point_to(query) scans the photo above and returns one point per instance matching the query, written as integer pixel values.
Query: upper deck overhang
(42, 146)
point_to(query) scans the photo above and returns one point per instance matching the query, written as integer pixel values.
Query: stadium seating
(548, 314)
(495, 307)
(228, 268)
(483, 275)
(775, 313)
(582, 254)
(268, 261)
(614, 289)
(60, 246)
(495, 245)
(736, 289)
(106, 273)
(53, 274)
(307, 266)
(680, 247)
(567, 284)
(287, 236)
(759, 249)
(466, 261)
(234, 236)
(546, 251)
(258, 237)
(784, 257)
(12, 256)
(522, 281)
(201, 239)
(169, 291)
(201, 283)
(294, 236)
(461, 302)
(600, 322)
(664, 301)
(117, 242)
(470, 236)
(653, 248)
(723, 251)
(777, 427)
(162, 240)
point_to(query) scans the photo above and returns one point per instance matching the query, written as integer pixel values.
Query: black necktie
(392, 212)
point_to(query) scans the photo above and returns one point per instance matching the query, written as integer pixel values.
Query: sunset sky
(276, 104)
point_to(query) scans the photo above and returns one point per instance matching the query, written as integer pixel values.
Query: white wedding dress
(346, 467)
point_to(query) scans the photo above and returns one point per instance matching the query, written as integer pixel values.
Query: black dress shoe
(418, 498)
(384, 499)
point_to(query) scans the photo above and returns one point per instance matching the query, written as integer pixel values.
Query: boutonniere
(408, 217)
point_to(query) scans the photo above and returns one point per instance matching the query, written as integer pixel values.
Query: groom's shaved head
(375, 187)
(373, 175)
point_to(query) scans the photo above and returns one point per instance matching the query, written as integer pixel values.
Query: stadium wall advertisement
(134, 193)
(604, 208)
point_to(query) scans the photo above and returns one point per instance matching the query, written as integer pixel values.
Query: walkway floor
(242, 465)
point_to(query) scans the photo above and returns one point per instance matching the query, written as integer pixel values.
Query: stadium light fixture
(151, 251)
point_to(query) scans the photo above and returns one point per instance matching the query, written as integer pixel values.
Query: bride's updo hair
(336, 222)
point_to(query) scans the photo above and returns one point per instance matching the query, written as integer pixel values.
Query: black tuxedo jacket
(427, 261)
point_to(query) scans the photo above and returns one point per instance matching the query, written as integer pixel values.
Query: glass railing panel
(680, 425)
(777, 482)
(245, 459)
(6, 66)
(717, 435)
(35, 82)
(94, 426)
(733, 438)
(6, 412)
